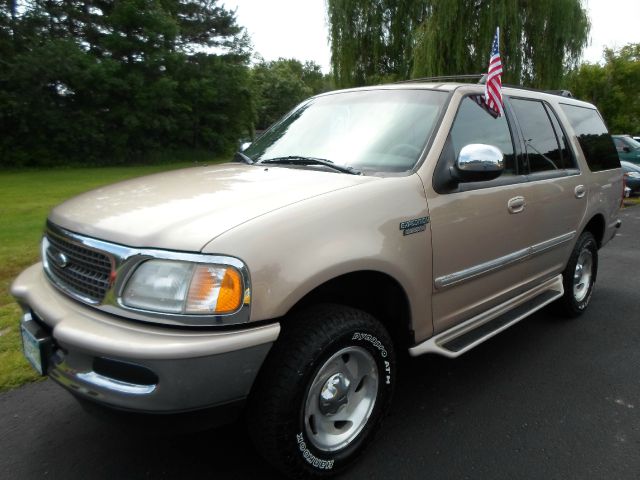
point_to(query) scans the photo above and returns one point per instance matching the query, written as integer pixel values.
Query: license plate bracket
(36, 345)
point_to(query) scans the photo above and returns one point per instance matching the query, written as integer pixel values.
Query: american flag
(493, 85)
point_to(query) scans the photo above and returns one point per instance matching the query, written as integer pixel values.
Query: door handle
(516, 204)
(579, 191)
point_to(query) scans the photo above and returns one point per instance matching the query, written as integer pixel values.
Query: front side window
(541, 140)
(475, 124)
(369, 130)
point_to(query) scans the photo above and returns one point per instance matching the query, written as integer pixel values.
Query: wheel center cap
(579, 270)
(334, 394)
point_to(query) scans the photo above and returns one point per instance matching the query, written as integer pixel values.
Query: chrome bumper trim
(118, 386)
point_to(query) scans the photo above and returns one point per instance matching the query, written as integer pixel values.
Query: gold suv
(365, 223)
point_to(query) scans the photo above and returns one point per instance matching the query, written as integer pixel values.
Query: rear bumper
(139, 367)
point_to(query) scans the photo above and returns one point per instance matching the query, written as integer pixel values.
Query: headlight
(184, 288)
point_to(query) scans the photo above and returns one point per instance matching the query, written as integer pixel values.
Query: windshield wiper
(301, 160)
(241, 157)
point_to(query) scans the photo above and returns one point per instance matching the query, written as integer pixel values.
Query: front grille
(86, 272)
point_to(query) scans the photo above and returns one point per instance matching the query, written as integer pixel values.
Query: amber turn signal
(214, 289)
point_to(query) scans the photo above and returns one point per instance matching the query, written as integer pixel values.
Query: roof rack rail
(445, 78)
(562, 93)
(482, 79)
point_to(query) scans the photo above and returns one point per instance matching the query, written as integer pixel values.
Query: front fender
(293, 250)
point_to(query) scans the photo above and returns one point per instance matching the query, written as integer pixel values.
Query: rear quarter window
(597, 145)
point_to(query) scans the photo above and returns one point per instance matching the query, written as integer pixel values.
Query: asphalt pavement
(546, 399)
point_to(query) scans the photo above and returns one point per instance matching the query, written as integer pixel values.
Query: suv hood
(185, 209)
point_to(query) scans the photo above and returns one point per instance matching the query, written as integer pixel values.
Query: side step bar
(463, 337)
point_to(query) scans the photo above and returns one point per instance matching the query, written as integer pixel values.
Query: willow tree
(372, 40)
(540, 39)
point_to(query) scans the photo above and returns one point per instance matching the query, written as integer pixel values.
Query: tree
(105, 82)
(612, 87)
(372, 40)
(381, 40)
(280, 85)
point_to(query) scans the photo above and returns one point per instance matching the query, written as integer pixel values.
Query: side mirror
(479, 162)
(626, 149)
(244, 146)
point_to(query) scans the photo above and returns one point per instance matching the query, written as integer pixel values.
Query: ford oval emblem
(60, 259)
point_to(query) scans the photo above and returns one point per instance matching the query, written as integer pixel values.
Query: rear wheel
(579, 276)
(323, 391)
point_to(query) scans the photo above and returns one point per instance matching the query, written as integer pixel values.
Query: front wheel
(323, 391)
(579, 276)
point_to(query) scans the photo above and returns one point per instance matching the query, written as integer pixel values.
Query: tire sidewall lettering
(380, 348)
(372, 340)
(310, 458)
(326, 461)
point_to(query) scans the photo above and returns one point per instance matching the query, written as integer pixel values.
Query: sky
(298, 28)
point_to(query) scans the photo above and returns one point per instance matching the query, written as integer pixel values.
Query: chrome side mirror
(477, 162)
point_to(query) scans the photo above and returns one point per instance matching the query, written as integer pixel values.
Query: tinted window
(543, 150)
(568, 161)
(474, 124)
(596, 143)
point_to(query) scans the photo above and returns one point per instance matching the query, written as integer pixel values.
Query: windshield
(379, 130)
(630, 167)
(631, 143)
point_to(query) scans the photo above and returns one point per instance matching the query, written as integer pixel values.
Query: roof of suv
(450, 86)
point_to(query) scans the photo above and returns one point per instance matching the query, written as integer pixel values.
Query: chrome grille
(83, 272)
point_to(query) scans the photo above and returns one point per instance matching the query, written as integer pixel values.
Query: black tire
(278, 407)
(573, 304)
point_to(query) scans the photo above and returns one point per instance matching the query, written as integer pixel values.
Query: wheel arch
(374, 292)
(596, 225)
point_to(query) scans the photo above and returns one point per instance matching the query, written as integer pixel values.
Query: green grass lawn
(25, 199)
(631, 201)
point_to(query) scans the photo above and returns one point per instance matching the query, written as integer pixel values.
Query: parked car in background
(631, 176)
(637, 139)
(628, 148)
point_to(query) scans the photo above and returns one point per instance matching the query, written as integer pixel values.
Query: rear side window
(568, 160)
(596, 143)
(545, 150)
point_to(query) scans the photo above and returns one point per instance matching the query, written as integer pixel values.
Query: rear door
(556, 192)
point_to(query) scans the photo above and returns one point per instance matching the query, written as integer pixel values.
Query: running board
(463, 337)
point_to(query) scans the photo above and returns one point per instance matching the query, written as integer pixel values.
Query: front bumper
(132, 366)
